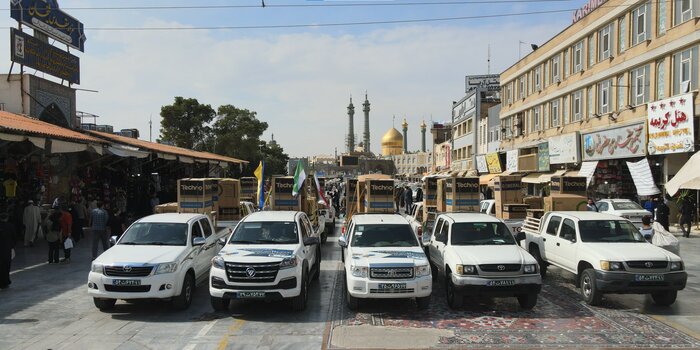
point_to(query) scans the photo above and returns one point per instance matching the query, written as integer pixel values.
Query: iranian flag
(299, 178)
(320, 190)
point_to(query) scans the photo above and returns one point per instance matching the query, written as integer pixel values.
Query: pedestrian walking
(32, 223)
(66, 230)
(419, 195)
(116, 223)
(591, 205)
(398, 197)
(53, 235)
(408, 198)
(98, 226)
(662, 212)
(7, 245)
(79, 216)
(687, 214)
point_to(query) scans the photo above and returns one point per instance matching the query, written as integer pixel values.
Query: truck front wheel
(454, 298)
(104, 304)
(220, 304)
(589, 290)
(527, 301)
(664, 298)
(183, 301)
(423, 303)
(299, 301)
(535, 252)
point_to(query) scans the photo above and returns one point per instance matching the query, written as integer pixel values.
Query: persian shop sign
(45, 16)
(586, 9)
(622, 142)
(32, 52)
(670, 125)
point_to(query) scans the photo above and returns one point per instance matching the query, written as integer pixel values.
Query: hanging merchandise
(10, 188)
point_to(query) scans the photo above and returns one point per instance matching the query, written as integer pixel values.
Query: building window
(604, 96)
(509, 92)
(622, 32)
(521, 90)
(620, 93)
(538, 80)
(469, 152)
(639, 82)
(589, 102)
(566, 63)
(491, 136)
(470, 125)
(605, 43)
(684, 10)
(536, 118)
(660, 80)
(529, 83)
(555, 69)
(661, 20)
(545, 78)
(685, 77)
(578, 56)
(641, 23)
(565, 110)
(555, 113)
(576, 98)
(591, 51)
(545, 116)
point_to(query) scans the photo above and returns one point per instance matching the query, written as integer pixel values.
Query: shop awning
(587, 170)
(548, 177)
(541, 178)
(126, 151)
(485, 179)
(641, 175)
(183, 154)
(39, 142)
(688, 177)
(58, 146)
(15, 127)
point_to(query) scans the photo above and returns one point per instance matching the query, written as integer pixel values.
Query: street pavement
(47, 307)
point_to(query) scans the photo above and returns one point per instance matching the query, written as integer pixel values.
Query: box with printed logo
(281, 196)
(430, 191)
(379, 197)
(514, 211)
(569, 185)
(195, 195)
(462, 194)
(507, 189)
(249, 188)
(565, 202)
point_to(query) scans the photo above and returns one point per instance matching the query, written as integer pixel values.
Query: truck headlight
(166, 268)
(676, 266)
(217, 262)
(289, 263)
(612, 265)
(466, 270)
(531, 268)
(423, 270)
(359, 271)
(97, 267)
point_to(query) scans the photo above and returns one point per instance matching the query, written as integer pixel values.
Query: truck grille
(392, 291)
(391, 273)
(647, 264)
(500, 267)
(252, 272)
(127, 289)
(128, 271)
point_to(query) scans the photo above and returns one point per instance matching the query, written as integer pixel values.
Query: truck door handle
(557, 244)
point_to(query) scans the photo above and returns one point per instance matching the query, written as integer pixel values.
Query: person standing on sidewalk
(687, 213)
(66, 228)
(79, 216)
(98, 226)
(7, 244)
(408, 199)
(53, 235)
(32, 223)
(662, 212)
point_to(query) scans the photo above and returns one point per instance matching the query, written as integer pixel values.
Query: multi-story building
(589, 98)
(442, 146)
(412, 165)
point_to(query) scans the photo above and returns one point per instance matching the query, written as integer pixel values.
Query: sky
(299, 80)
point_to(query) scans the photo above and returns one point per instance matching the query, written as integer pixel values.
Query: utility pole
(150, 128)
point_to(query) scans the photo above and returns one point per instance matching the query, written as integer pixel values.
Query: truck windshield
(384, 236)
(610, 231)
(626, 206)
(155, 233)
(270, 232)
(481, 233)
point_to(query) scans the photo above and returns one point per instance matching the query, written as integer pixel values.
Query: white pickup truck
(384, 260)
(271, 255)
(488, 206)
(606, 252)
(160, 256)
(476, 255)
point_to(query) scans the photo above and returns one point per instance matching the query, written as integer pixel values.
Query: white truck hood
(631, 252)
(258, 252)
(141, 254)
(492, 254)
(388, 256)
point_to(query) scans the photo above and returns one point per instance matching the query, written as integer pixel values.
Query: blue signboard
(45, 16)
(32, 52)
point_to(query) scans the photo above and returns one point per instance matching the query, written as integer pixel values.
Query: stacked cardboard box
(569, 185)
(282, 199)
(440, 196)
(461, 194)
(351, 197)
(430, 191)
(249, 188)
(228, 199)
(379, 196)
(565, 202)
(196, 196)
(535, 213)
(514, 211)
(507, 190)
(166, 208)
(534, 202)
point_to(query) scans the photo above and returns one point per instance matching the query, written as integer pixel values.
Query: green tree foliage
(185, 123)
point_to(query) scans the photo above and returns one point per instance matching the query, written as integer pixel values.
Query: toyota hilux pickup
(384, 259)
(488, 206)
(476, 255)
(606, 253)
(160, 256)
(271, 256)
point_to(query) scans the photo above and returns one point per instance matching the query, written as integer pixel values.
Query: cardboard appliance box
(462, 194)
(351, 196)
(534, 202)
(430, 191)
(565, 202)
(282, 199)
(535, 213)
(196, 195)
(440, 196)
(569, 185)
(507, 189)
(166, 208)
(379, 196)
(249, 187)
(514, 211)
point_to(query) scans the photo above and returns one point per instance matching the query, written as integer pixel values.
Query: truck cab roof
(470, 217)
(586, 215)
(176, 218)
(273, 216)
(365, 219)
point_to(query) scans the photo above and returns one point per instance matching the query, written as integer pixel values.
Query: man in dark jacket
(7, 243)
(408, 199)
(687, 214)
(662, 212)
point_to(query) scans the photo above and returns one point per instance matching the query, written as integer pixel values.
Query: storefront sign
(543, 157)
(564, 149)
(493, 162)
(586, 9)
(512, 160)
(623, 142)
(32, 52)
(670, 125)
(485, 82)
(481, 165)
(45, 16)
(462, 109)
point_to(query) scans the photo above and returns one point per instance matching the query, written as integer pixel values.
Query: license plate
(500, 283)
(251, 295)
(126, 282)
(392, 286)
(648, 278)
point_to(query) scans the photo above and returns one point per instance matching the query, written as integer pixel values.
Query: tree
(185, 123)
(275, 159)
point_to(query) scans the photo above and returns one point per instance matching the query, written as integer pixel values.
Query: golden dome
(392, 143)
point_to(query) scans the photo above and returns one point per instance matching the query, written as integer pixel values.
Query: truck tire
(317, 265)
(664, 298)
(353, 303)
(527, 301)
(299, 301)
(220, 304)
(454, 298)
(423, 303)
(104, 304)
(184, 299)
(535, 252)
(589, 291)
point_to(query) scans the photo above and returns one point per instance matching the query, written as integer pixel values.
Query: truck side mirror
(425, 239)
(342, 241)
(222, 241)
(520, 236)
(197, 241)
(312, 241)
(113, 240)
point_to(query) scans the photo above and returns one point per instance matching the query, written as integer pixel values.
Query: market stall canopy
(183, 154)
(15, 127)
(687, 178)
(485, 179)
(587, 170)
(643, 180)
(541, 178)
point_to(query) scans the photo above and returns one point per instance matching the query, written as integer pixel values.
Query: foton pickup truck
(384, 259)
(161, 256)
(606, 252)
(271, 255)
(476, 255)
